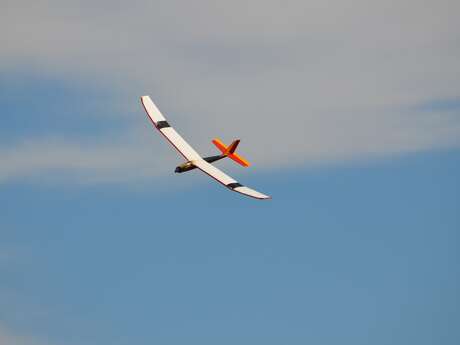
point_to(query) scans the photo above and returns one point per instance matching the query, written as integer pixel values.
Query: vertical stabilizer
(232, 147)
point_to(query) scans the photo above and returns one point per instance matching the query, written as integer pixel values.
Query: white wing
(190, 154)
(170, 133)
(226, 180)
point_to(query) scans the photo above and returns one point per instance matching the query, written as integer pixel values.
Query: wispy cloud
(302, 81)
(51, 159)
(125, 158)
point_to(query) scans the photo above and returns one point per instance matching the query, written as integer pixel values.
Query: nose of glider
(177, 170)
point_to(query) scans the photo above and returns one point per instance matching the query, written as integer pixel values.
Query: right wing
(226, 180)
(168, 132)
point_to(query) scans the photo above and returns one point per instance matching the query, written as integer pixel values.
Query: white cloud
(58, 159)
(305, 81)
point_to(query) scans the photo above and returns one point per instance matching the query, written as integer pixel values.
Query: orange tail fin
(232, 147)
(229, 151)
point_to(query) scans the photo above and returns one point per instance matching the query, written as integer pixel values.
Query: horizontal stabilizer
(229, 151)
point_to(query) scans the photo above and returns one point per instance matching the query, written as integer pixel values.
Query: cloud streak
(56, 160)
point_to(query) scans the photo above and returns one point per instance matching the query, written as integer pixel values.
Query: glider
(194, 159)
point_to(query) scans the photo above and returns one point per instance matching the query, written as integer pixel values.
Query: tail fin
(232, 147)
(229, 151)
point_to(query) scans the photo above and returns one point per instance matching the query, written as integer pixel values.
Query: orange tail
(229, 151)
(232, 147)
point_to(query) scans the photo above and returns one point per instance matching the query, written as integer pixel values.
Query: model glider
(194, 160)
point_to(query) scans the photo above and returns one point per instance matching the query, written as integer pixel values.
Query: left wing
(160, 123)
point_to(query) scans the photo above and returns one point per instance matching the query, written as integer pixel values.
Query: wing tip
(143, 99)
(266, 197)
(250, 192)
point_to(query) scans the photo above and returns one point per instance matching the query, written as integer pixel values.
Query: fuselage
(187, 166)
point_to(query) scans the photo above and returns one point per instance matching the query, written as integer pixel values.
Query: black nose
(177, 170)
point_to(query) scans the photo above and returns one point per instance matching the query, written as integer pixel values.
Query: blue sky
(101, 243)
(367, 253)
(358, 252)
